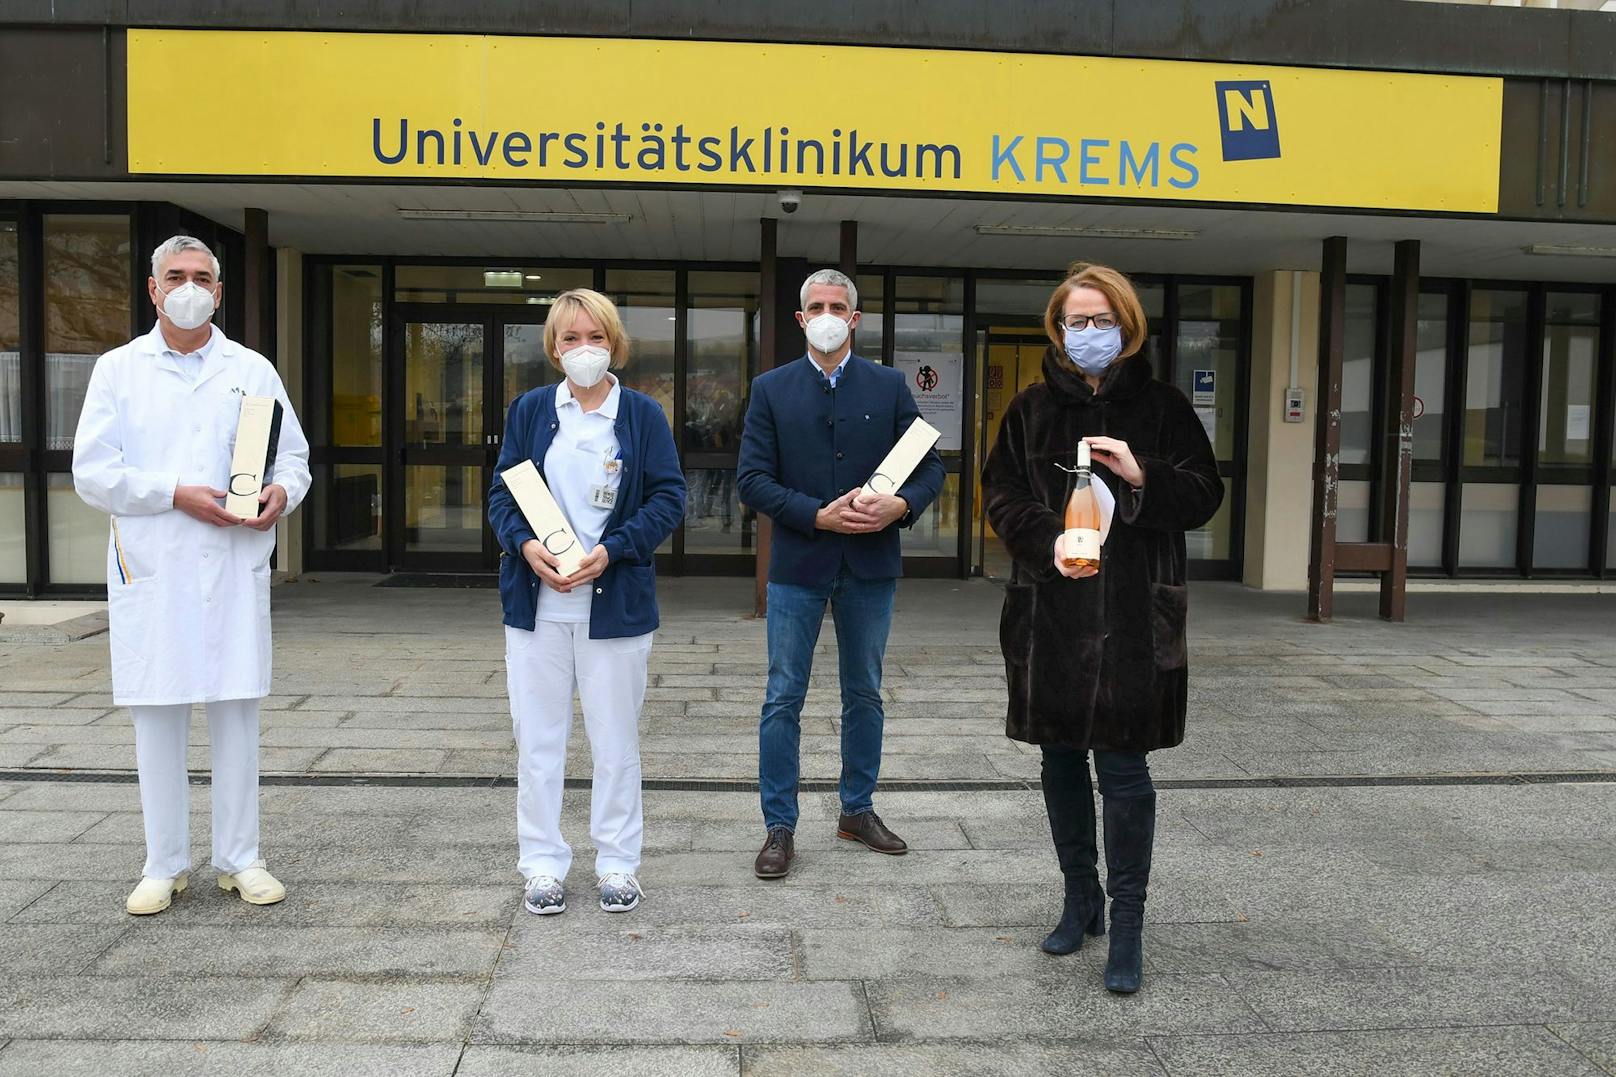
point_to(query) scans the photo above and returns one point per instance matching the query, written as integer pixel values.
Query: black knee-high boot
(1070, 803)
(1130, 835)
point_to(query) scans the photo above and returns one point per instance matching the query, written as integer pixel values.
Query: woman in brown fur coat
(1096, 660)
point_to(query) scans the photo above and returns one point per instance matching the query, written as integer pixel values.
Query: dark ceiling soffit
(1398, 35)
(822, 192)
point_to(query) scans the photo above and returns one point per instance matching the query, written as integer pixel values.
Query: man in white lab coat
(187, 582)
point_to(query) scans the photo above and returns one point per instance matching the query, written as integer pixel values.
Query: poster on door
(937, 385)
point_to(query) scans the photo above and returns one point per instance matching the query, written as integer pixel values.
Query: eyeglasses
(1083, 321)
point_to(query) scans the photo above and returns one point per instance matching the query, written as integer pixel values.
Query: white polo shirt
(580, 458)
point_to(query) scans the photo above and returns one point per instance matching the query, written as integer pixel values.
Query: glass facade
(355, 397)
(722, 354)
(87, 296)
(1511, 484)
(10, 339)
(13, 533)
(928, 346)
(649, 302)
(1358, 379)
(412, 366)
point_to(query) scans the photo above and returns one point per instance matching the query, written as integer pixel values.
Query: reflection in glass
(1496, 369)
(715, 521)
(722, 330)
(356, 355)
(1215, 541)
(1430, 377)
(1352, 511)
(647, 303)
(1427, 510)
(443, 509)
(928, 327)
(486, 284)
(1560, 529)
(13, 552)
(1358, 378)
(10, 346)
(1570, 351)
(78, 535)
(936, 533)
(1153, 298)
(443, 383)
(871, 329)
(1209, 332)
(526, 364)
(1487, 525)
(348, 507)
(1021, 298)
(87, 274)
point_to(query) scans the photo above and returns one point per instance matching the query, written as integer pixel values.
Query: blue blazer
(650, 504)
(806, 444)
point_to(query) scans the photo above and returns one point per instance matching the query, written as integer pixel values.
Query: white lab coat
(188, 602)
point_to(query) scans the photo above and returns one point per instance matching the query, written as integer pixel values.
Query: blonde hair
(1116, 288)
(568, 305)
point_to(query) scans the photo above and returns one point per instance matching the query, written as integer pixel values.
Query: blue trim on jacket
(650, 504)
(805, 444)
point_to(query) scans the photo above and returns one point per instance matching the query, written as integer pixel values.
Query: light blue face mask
(1092, 349)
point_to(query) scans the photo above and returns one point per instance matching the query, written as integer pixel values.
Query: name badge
(603, 497)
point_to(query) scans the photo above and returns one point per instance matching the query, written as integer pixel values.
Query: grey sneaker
(619, 891)
(543, 896)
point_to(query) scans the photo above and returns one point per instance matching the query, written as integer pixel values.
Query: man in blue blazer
(816, 429)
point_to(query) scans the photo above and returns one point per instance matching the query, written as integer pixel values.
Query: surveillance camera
(790, 200)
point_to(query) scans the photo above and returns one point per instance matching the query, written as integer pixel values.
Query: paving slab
(1595, 1041)
(1126, 1058)
(550, 949)
(1510, 1051)
(1351, 999)
(309, 904)
(209, 1058)
(569, 1060)
(156, 948)
(1066, 1000)
(368, 1011)
(523, 1011)
(116, 1007)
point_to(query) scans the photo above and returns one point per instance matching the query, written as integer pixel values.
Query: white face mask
(826, 332)
(586, 364)
(189, 306)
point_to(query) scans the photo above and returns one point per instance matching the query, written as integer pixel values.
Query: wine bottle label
(1082, 542)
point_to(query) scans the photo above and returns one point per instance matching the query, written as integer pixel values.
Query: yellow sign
(582, 110)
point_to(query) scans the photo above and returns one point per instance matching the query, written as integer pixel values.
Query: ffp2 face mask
(189, 306)
(586, 364)
(826, 332)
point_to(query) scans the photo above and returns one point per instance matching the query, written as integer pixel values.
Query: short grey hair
(178, 245)
(834, 278)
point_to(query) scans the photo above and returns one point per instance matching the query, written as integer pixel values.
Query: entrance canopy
(902, 230)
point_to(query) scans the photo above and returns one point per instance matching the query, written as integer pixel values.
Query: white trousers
(162, 736)
(542, 669)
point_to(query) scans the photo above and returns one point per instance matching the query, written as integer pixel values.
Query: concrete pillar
(1280, 460)
(289, 362)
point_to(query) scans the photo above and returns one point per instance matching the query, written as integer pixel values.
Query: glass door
(460, 370)
(1011, 359)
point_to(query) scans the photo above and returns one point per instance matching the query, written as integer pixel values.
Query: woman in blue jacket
(607, 454)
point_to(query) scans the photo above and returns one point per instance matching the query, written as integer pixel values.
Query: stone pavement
(1383, 849)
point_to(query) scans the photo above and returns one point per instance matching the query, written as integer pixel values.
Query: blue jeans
(862, 611)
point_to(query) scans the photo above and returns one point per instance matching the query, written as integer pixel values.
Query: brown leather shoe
(774, 859)
(868, 828)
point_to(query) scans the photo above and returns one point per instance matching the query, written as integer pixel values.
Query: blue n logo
(1246, 117)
